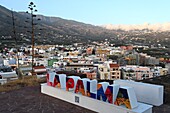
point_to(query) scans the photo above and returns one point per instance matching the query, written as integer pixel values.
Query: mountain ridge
(55, 29)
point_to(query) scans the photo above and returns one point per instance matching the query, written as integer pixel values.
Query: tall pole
(31, 8)
(32, 37)
(13, 23)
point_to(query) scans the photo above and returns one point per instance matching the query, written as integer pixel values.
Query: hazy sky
(100, 12)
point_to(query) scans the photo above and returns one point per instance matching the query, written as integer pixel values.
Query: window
(113, 77)
(101, 69)
(130, 75)
(6, 69)
(143, 75)
(113, 73)
(147, 75)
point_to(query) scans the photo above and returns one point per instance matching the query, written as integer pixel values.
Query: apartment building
(115, 72)
(134, 72)
(104, 72)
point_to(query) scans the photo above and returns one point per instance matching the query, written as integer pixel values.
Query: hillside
(55, 30)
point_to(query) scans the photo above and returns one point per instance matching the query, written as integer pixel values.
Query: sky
(99, 12)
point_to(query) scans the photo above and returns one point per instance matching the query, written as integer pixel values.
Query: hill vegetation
(55, 30)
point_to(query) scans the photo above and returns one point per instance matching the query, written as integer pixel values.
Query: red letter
(69, 83)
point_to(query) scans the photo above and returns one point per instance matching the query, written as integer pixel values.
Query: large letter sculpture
(113, 94)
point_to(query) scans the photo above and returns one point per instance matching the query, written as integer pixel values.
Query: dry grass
(17, 84)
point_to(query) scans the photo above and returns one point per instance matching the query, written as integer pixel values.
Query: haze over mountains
(154, 27)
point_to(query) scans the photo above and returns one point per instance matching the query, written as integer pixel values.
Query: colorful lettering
(80, 87)
(92, 89)
(101, 91)
(69, 83)
(123, 98)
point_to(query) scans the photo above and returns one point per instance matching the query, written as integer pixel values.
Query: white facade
(136, 72)
(156, 71)
(104, 72)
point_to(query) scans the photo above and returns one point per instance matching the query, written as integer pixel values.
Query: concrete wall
(92, 104)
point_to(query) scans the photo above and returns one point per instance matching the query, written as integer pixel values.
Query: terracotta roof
(114, 65)
(39, 67)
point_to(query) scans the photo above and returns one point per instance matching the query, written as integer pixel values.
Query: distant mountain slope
(55, 29)
(72, 27)
(6, 23)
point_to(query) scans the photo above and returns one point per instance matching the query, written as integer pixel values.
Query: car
(8, 73)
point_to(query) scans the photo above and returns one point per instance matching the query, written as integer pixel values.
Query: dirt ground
(29, 100)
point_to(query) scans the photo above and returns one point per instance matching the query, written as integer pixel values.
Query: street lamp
(32, 9)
